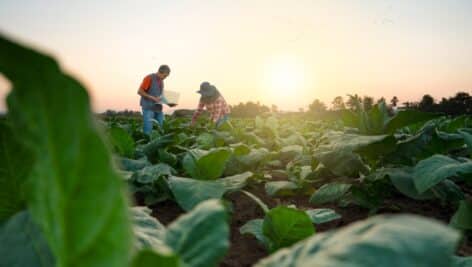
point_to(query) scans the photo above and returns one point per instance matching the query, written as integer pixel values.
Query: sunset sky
(285, 53)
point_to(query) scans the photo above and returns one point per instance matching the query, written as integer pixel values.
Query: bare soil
(245, 249)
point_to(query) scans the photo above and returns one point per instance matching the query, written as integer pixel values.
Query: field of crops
(367, 189)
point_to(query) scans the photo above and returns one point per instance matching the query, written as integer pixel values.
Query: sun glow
(283, 78)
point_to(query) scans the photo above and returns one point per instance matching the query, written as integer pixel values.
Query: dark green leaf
(15, 165)
(22, 244)
(75, 196)
(387, 241)
(329, 193)
(285, 226)
(431, 171)
(319, 216)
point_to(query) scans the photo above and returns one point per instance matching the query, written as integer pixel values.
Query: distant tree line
(125, 112)
(250, 109)
(461, 103)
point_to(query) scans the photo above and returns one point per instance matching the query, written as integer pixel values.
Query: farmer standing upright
(151, 90)
(214, 103)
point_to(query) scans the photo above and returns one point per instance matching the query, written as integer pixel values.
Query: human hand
(156, 99)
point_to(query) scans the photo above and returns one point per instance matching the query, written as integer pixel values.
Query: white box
(170, 97)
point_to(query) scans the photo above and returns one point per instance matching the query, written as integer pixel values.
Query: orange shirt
(146, 83)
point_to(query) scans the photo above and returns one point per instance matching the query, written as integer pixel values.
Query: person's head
(163, 72)
(209, 92)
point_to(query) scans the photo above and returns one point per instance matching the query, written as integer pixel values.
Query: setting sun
(284, 75)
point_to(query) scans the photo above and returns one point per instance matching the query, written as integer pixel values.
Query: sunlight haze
(285, 53)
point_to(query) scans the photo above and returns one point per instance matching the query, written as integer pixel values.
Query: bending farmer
(214, 103)
(151, 90)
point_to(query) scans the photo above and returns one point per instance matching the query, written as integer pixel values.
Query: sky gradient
(285, 53)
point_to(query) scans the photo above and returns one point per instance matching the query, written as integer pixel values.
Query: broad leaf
(15, 164)
(468, 140)
(388, 241)
(407, 117)
(22, 244)
(149, 232)
(342, 163)
(189, 192)
(152, 173)
(329, 193)
(284, 226)
(128, 164)
(423, 145)
(121, 141)
(206, 165)
(319, 216)
(75, 195)
(280, 188)
(150, 258)
(431, 171)
(462, 219)
(200, 237)
(254, 227)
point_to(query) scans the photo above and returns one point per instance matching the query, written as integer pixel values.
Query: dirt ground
(245, 249)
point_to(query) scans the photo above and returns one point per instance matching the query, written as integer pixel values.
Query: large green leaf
(75, 194)
(152, 173)
(431, 171)
(198, 238)
(423, 145)
(201, 237)
(462, 219)
(284, 226)
(468, 140)
(22, 244)
(205, 141)
(121, 141)
(288, 153)
(319, 216)
(402, 179)
(189, 192)
(150, 258)
(280, 188)
(342, 162)
(15, 164)
(149, 233)
(407, 117)
(128, 164)
(207, 165)
(387, 241)
(254, 227)
(329, 192)
(348, 141)
(454, 124)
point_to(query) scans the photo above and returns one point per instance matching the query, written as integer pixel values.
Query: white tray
(170, 97)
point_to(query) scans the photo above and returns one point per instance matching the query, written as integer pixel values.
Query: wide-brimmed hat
(206, 89)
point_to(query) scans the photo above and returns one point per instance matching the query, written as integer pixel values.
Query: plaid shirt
(217, 109)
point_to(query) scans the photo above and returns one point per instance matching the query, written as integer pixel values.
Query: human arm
(197, 112)
(144, 87)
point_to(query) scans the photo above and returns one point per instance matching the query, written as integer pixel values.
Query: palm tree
(394, 101)
(338, 103)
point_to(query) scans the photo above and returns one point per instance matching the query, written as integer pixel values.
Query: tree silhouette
(317, 106)
(338, 103)
(426, 103)
(368, 102)
(394, 101)
(354, 102)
